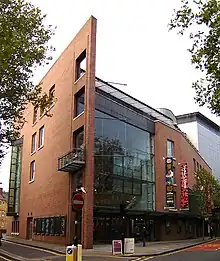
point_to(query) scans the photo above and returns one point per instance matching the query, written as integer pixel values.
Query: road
(205, 252)
(30, 253)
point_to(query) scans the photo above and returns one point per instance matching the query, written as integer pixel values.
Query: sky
(134, 47)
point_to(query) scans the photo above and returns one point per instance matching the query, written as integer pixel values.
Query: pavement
(20, 249)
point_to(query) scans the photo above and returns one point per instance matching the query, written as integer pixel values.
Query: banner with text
(184, 187)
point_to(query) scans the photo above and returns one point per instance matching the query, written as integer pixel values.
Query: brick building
(99, 138)
(3, 210)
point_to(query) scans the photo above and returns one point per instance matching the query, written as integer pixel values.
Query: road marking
(36, 248)
(171, 253)
(143, 258)
(2, 257)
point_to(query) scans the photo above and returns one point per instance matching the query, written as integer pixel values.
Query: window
(197, 166)
(41, 137)
(194, 165)
(170, 148)
(80, 65)
(34, 142)
(35, 114)
(78, 138)
(52, 93)
(79, 102)
(32, 171)
(41, 111)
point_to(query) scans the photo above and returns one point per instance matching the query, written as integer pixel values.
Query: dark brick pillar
(87, 222)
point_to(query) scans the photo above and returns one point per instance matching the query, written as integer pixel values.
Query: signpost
(78, 201)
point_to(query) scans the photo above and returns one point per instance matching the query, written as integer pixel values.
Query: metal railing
(72, 161)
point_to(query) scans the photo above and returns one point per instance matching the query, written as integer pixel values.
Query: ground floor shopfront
(110, 225)
(160, 226)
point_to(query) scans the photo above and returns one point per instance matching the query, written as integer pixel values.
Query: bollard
(79, 252)
(69, 253)
(74, 253)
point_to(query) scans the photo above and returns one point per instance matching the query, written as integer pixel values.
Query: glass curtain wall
(124, 165)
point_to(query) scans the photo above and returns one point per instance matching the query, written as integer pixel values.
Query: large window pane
(123, 161)
(79, 102)
(170, 148)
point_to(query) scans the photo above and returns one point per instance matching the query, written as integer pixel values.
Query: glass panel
(80, 101)
(41, 137)
(118, 185)
(136, 188)
(79, 136)
(123, 161)
(128, 187)
(170, 148)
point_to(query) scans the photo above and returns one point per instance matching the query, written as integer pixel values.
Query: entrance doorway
(29, 228)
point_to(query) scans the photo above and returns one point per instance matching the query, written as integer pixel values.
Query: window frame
(172, 148)
(52, 91)
(79, 72)
(76, 135)
(32, 171)
(35, 114)
(34, 138)
(41, 145)
(77, 102)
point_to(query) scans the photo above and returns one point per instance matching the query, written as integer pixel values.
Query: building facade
(103, 140)
(205, 135)
(179, 208)
(3, 211)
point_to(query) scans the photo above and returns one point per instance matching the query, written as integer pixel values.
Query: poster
(184, 202)
(129, 245)
(116, 247)
(170, 186)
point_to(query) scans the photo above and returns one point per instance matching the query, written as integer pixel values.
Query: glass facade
(15, 178)
(124, 164)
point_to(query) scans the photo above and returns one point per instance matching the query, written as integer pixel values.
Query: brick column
(87, 218)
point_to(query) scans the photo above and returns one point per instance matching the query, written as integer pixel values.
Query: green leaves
(209, 189)
(202, 19)
(23, 47)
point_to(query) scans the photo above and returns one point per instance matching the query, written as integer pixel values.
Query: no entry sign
(78, 201)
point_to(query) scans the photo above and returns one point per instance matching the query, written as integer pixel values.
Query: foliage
(23, 47)
(209, 189)
(202, 19)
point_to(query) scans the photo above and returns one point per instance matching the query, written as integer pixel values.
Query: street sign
(69, 253)
(78, 201)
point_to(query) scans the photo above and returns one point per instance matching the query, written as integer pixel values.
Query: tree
(202, 19)
(209, 189)
(23, 47)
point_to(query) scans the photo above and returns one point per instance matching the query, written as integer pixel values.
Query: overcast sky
(133, 47)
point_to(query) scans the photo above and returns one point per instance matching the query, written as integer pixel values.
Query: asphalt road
(206, 252)
(28, 252)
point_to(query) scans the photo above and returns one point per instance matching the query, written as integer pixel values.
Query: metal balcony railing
(72, 161)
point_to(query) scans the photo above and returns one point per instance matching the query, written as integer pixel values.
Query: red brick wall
(50, 193)
(183, 152)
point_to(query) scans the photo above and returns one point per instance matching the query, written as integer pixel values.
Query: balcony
(73, 161)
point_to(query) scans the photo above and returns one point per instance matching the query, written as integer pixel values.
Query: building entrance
(29, 228)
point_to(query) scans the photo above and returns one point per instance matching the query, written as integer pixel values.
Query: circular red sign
(78, 201)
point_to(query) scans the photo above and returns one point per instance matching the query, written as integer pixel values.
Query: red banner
(184, 187)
